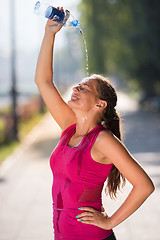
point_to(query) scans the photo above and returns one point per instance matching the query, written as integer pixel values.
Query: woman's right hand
(53, 26)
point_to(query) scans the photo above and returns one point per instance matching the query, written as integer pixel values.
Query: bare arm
(116, 153)
(60, 111)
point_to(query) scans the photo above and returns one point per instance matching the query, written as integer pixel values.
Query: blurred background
(123, 43)
(22, 32)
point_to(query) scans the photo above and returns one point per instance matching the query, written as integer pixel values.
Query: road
(26, 179)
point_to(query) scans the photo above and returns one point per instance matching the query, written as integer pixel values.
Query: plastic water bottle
(41, 8)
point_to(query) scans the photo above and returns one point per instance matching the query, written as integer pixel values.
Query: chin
(73, 104)
(70, 103)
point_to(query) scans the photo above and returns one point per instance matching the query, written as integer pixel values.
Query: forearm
(134, 200)
(44, 68)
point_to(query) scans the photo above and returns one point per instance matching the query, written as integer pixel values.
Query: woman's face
(84, 95)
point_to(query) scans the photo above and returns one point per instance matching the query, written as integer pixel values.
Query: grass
(26, 126)
(2, 126)
(7, 148)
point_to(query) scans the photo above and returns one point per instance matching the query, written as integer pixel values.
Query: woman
(89, 151)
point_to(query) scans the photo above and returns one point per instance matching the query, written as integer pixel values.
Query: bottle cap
(37, 6)
(76, 23)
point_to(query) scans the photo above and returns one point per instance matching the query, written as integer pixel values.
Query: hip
(67, 227)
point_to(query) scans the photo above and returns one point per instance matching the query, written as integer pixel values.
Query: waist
(73, 206)
(67, 227)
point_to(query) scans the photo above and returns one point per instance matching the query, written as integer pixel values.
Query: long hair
(110, 119)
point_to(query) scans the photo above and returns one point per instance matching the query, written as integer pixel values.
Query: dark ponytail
(111, 120)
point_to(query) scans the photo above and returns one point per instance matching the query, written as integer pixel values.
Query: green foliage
(25, 126)
(123, 38)
(7, 149)
(2, 126)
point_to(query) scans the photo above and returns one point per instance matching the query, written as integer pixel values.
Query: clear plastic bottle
(41, 8)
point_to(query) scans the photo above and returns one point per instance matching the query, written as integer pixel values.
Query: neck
(85, 124)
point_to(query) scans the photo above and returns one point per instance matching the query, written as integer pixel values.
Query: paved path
(26, 179)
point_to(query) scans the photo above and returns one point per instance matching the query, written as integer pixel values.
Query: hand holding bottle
(54, 26)
(55, 14)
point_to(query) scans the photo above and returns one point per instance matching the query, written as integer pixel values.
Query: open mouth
(73, 97)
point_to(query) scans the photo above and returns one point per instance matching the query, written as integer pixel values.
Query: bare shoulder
(98, 151)
(107, 138)
(109, 147)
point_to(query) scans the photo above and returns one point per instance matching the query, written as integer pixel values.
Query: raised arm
(60, 111)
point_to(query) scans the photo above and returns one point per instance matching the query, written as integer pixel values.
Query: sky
(29, 31)
(29, 26)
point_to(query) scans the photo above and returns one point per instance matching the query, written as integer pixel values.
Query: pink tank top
(77, 181)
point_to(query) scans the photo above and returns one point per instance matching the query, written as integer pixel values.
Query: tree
(124, 39)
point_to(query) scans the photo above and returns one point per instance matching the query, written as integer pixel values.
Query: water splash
(85, 46)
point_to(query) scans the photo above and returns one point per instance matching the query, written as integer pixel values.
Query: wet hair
(111, 120)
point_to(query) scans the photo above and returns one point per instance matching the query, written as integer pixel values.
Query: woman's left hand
(94, 217)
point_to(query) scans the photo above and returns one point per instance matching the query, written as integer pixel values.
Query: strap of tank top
(68, 130)
(95, 134)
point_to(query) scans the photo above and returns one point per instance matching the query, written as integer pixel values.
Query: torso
(95, 151)
(78, 181)
(75, 141)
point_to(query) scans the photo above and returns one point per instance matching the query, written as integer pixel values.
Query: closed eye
(84, 86)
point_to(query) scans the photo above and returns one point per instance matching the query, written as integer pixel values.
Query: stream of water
(85, 46)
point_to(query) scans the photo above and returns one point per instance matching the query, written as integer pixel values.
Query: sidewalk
(25, 186)
(26, 180)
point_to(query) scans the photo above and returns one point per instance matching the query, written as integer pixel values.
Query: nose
(76, 88)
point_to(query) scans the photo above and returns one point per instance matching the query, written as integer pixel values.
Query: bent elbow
(146, 188)
(36, 81)
(150, 188)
